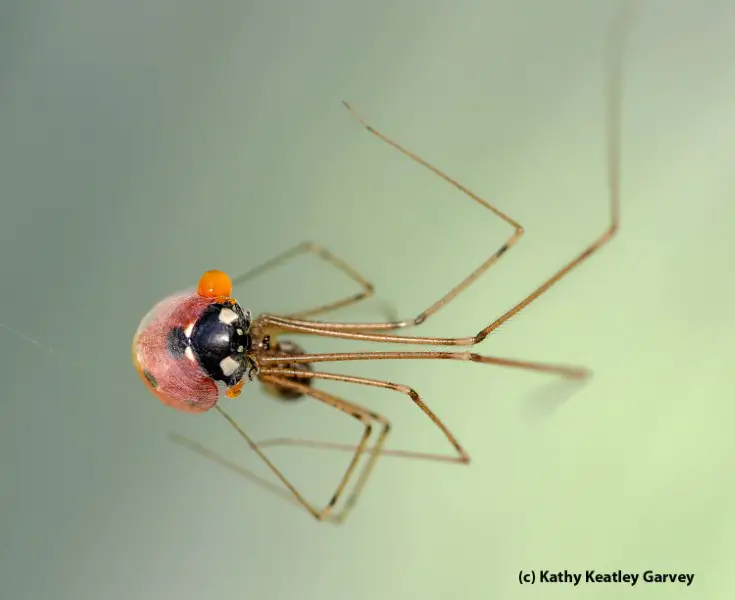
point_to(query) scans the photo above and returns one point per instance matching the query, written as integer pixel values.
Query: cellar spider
(192, 349)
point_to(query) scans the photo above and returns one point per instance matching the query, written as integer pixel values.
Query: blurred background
(142, 142)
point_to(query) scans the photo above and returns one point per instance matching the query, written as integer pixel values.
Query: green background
(144, 141)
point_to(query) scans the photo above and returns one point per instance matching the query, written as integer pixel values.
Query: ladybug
(191, 348)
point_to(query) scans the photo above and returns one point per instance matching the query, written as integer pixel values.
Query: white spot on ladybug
(240, 349)
(227, 316)
(228, 365)
(189, 353)
(240, 331)
(189, 329)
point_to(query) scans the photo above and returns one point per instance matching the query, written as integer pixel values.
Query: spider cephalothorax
(285, 348)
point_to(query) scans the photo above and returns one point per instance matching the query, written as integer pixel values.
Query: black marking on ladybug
(220, 341)
(150, 379)
(176, 342)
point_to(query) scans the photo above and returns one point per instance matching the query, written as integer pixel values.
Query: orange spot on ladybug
(214, 284)
(235, 390)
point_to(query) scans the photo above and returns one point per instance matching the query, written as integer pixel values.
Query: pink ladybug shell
(179, 382)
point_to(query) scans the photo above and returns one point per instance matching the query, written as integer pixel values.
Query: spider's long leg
(565, 371)
(366, 287)
(365, 417)
(360, 450)
(270, 487)
(461, 454)
(615, 46)
(319, 444)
